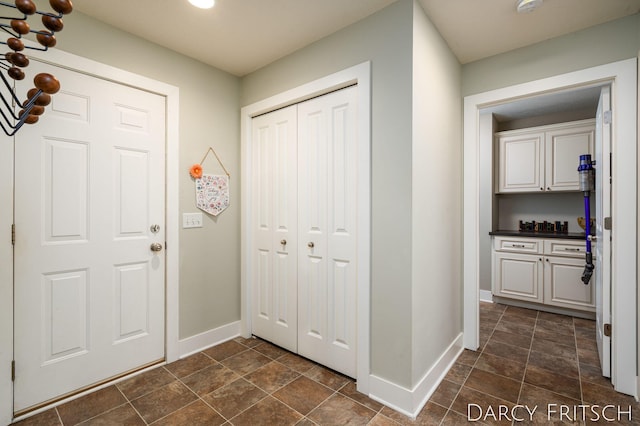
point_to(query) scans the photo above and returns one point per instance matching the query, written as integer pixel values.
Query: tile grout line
(133, 406)
(270, 394)
(526, 364)
(198, 397)
(575, 341)
(58, 414)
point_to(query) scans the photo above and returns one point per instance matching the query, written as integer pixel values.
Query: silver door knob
(592, 238)
(156, 247)
(155, 228)
(283, 242)
(311, 245)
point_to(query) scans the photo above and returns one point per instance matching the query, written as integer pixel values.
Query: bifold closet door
(274, 227)
(303, 207)
(327, 191)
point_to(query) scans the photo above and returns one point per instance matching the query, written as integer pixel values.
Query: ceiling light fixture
(526, 6)
(203, 4)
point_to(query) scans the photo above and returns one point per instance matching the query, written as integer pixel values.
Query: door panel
(327, 222)
(602, 246)
(274, 228)
(89, 292)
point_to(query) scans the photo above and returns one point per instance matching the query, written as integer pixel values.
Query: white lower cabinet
(546, 271)
(518, 276)
(563, 285)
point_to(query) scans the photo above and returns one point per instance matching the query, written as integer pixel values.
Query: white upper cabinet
(543, 158)
(521, 162)
(563, 148)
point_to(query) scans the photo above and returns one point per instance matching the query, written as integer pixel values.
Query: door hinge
(610, 168)
(13, 371)
(607, 330)
(607, 117)
(13, 234)
(607, 223)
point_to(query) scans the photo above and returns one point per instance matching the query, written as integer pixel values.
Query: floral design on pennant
(212, 193)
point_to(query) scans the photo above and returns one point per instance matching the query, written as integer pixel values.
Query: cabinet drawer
(518, 245)
(568, 248)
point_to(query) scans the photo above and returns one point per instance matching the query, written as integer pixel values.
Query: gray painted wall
(402, 304)
(385, 39)
(609, 42)
(416, 176)
(602, 44)
(436, 196)
(209, 116)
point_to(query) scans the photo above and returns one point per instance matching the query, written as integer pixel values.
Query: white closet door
(274, 228)
(327, 230)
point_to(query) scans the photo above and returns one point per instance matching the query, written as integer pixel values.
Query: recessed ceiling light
(526, 6)
(203, 4)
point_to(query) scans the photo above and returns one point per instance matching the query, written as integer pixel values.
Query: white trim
(360, 74)
(6, 279)
(410, 402)
(171, 93)
(486, 296)
(623, 74)
(207, 339)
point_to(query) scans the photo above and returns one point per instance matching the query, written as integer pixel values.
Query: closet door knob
(283, 242)
(311, 245)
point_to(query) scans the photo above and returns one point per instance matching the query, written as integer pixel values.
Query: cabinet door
(562, 150)
(518, 276)
(520, 163)
(563, 286)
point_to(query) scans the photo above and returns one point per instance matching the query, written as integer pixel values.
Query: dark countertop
(527, 234)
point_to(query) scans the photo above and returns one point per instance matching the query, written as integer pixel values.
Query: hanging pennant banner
(212, 193)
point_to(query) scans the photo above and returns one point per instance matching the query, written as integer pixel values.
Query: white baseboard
(486, 296)
(410, 401)
(207, 339)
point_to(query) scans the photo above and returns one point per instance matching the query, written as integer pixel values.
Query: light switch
(192, 220)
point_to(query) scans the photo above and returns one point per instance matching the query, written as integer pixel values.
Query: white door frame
(360, 74)
(171, 93)
(622, 75)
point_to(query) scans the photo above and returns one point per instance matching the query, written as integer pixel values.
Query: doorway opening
(622, 78)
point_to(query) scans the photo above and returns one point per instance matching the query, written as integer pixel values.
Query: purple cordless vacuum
(587, 184)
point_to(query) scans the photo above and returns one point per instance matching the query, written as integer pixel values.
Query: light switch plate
(192, 220)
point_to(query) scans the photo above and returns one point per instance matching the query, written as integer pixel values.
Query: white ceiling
(477, 29)
(241, 36)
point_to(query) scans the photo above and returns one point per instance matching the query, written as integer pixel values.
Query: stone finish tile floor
(527, 360)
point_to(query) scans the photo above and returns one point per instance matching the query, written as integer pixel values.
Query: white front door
(89, 188)
(327, 219)
(602, 246)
